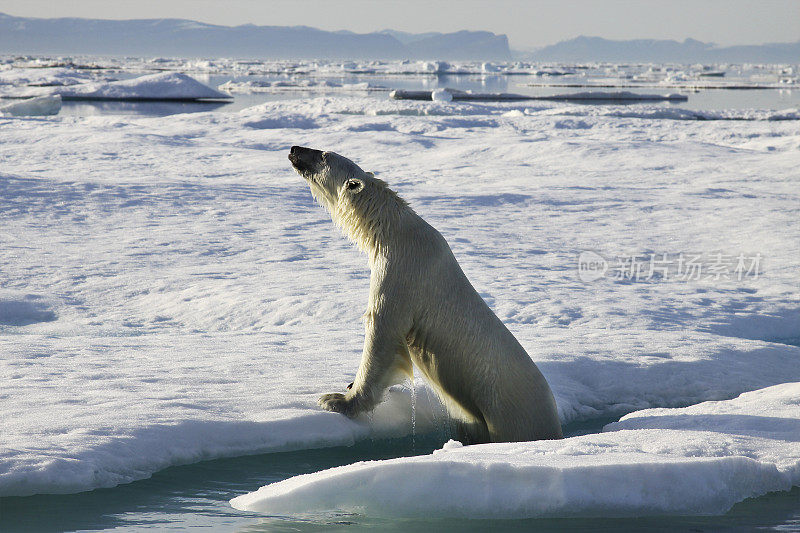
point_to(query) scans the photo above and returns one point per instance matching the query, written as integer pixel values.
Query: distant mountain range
(187, 38)
(583, 49)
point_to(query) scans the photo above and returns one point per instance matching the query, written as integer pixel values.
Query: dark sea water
(195, 497)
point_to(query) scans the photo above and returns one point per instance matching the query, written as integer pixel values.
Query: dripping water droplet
(413, 414)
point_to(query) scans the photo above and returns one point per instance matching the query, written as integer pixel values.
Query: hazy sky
(527, 24)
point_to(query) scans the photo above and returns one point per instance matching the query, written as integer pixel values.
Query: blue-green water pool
(196, 496)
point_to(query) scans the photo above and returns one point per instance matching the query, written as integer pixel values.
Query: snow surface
(43, 76)
(698, 460)
(41, 105)
(261, 86)
(171, 293)
(677, 113)
(161, 86)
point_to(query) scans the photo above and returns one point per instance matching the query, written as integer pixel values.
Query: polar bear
(424, 312)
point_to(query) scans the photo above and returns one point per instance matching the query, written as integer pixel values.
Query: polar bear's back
(466, 351)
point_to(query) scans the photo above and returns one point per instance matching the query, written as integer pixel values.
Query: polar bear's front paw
(338, 403)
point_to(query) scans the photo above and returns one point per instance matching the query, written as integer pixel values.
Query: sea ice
(43, 77)
(698, 460)
(258, 86)
(161, 86)
(41, 105)
(448, 94)
(625, 96)
(171, 293)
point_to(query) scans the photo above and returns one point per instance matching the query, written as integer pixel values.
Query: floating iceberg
(162, 86)
(172, 86)
(697, 460)
(41, 105)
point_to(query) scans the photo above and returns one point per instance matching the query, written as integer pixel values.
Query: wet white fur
(423, 309)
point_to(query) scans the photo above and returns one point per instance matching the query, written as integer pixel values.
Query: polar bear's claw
(337, 403)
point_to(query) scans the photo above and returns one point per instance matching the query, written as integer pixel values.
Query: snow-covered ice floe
(36, 106)
(43, 77)
(308, 85)
(171, 293)
(697, 460)
(617, 96)
(162, 86)
(588, 75)
(586, 96)
(173, 86)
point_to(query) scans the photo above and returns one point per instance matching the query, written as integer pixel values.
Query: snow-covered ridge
(699, 460)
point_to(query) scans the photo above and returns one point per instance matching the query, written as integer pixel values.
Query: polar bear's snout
(306, 159)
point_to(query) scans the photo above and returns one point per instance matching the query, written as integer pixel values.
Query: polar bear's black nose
(305, 159)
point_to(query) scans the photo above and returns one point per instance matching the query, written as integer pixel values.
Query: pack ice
(696, 460)
(171, 294)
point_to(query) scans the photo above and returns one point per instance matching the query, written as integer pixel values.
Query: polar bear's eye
(354, 185)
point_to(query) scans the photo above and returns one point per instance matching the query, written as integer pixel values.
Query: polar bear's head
(361, 204)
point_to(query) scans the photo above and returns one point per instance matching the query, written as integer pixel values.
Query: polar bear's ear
(354, 185)
(369, 174)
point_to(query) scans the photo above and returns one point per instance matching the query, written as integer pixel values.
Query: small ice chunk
(441, 95)
(452, 444)
(42, 105)
(434, 66)
(448, 446)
